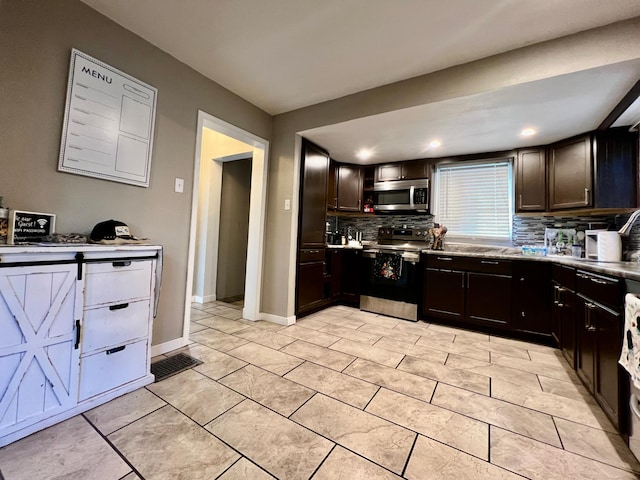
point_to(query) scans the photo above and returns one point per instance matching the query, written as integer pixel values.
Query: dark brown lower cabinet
(531, 293)
(600, 323)
(444, 293)
(350, 277)
(488, 299)
(563, 316)
(311, 291)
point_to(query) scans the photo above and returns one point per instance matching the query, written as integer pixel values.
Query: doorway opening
(219, 144)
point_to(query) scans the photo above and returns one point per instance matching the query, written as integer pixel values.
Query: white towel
(630, 356)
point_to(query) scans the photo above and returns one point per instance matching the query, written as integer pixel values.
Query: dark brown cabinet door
(392, 171)
(313, 196)
(350, 277)
(531, 180)
(568, 326)
(414, 170)
(606, 389)
(570, 174)
(349, 188)
(310, 291)
(616, 180)
(531, 298)
(586, 341)
(444, 294)
(332, 186)
(488, 299)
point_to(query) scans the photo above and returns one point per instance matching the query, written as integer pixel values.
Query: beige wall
(234, 228)
(614, 43)
(36, 38)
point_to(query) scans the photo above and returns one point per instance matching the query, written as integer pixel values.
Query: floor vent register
(171, 365)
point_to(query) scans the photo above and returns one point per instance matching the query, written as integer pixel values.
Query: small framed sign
(27, 227)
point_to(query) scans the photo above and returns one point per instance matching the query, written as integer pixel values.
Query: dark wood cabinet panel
(609, 326)
(531, 293)
(411, 170)
(311, 287)
(570, 169)
(444, 294)
(616, 176)
(350, 277)
(415, 169)
(313, 196)
(531, 180)
(586, 342)
(392, 171)
(332, 186)
(563, 311)
(349, 179)
(488, 299)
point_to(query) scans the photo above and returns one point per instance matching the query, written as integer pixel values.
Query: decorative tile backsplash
(527, 230)
(369, 225)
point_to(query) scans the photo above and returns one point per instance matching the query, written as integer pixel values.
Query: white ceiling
(282, 55)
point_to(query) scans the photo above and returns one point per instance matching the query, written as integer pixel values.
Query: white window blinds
(475, 200)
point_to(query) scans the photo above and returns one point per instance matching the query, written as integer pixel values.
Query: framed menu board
(108, 125)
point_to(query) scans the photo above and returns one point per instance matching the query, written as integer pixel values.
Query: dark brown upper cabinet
(411, 170)
(332, 186)
(570, 170)
(313, 196)
(616, 176)
(531, 180)
(350, 183)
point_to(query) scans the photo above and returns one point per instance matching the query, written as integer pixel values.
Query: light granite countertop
(629, 270)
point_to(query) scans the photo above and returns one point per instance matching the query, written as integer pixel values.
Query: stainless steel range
(391, 274)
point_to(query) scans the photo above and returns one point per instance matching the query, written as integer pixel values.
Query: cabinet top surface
(35, 253)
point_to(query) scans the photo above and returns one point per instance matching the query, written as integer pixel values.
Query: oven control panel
(403, 234)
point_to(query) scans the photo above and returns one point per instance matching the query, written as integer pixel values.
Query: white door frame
(257, 213)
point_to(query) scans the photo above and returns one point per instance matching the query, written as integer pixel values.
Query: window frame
(470, 237)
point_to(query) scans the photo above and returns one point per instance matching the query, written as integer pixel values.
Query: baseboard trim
(203, 299)
(269, 317)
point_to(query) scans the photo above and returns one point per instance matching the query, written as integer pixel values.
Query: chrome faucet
(626, 229)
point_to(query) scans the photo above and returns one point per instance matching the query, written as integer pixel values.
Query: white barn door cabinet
(75, 330)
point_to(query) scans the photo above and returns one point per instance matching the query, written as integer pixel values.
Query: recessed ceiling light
(364, 154)
(527, 132)
(435, 143)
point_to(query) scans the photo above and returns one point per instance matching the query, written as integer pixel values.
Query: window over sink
(475, 199)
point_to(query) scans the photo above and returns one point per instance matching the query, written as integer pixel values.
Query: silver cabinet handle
(520, 201)
(586, 196)
(444, 259)
(489, 262)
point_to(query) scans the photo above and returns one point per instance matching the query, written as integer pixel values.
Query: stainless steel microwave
(401, 195)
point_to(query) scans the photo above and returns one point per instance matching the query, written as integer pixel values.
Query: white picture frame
(109, 123)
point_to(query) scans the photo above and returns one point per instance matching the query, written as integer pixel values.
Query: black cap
(111, 230)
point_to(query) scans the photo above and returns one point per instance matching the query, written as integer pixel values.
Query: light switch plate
(179, 186)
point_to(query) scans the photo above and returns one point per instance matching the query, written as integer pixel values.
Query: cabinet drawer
(117, 282)
(446, 262)
(106, 370)
(489, 265)
(563, 275)
(115, 325)
(599, 288)
(314, 255)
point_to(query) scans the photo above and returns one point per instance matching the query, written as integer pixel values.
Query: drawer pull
(444, 259)
(115, 350)
(118, 307)
(125, 263)
(489, 262)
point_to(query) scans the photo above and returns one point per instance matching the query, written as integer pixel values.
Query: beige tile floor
(343, 394)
